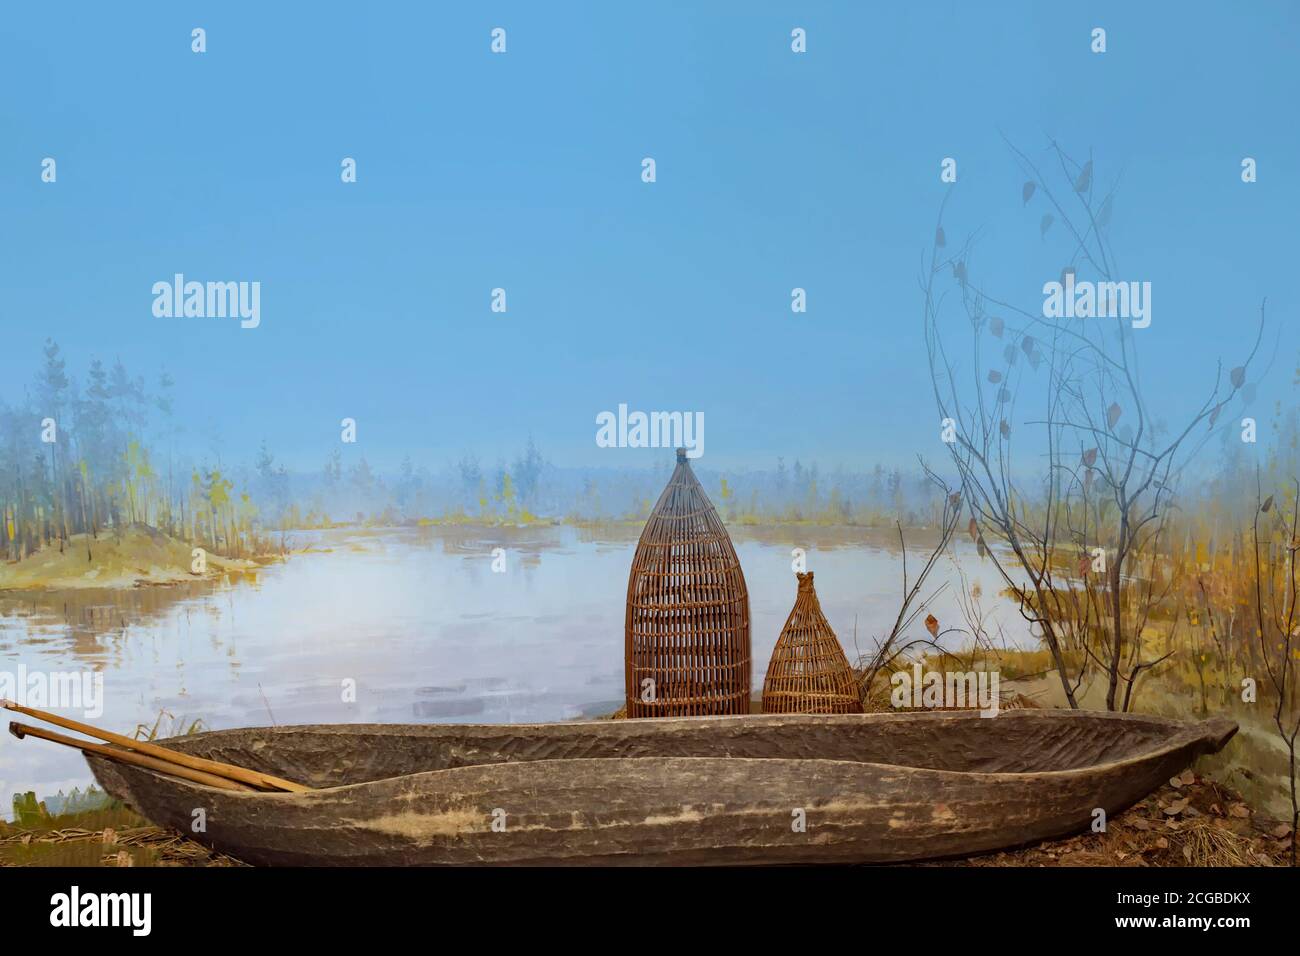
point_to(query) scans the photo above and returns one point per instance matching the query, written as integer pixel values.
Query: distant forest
(99, 453)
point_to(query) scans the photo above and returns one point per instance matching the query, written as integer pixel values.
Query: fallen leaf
(1177, 807)
(1281, 830)
(1162, 843)
(1187, 852)
(1239, 810)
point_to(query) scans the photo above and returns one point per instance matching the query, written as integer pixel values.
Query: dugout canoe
(867, 788)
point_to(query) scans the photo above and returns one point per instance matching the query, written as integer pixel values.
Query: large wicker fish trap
(808, 673)
(687, 634)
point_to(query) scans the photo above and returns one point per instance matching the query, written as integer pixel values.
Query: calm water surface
(423, 626)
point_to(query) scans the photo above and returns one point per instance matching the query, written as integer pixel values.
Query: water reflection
(418, 623)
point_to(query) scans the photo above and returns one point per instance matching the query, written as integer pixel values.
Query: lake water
(425, 629)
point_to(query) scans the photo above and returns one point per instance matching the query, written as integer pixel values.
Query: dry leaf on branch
(1085, 178)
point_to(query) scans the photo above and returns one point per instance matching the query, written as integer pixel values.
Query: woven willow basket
(687, 633)
(808, 673)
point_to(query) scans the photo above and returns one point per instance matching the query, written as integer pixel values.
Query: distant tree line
(79, 457)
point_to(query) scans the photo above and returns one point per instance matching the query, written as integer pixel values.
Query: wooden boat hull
(868, 788)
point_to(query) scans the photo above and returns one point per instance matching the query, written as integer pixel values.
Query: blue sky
(522, 171)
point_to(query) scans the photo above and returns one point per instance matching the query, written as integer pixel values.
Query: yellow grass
(139, 554)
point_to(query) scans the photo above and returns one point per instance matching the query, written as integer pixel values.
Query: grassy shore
(133, 556)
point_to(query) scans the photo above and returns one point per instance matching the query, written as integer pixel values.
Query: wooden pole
(253, 778)
(125, 756)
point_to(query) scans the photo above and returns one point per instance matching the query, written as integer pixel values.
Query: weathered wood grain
(873, 788)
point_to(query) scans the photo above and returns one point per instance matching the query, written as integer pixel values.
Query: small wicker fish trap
(808, 673)
(687, 634)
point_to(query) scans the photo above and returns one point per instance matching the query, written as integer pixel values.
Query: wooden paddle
(125, 756)
(253, 779)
